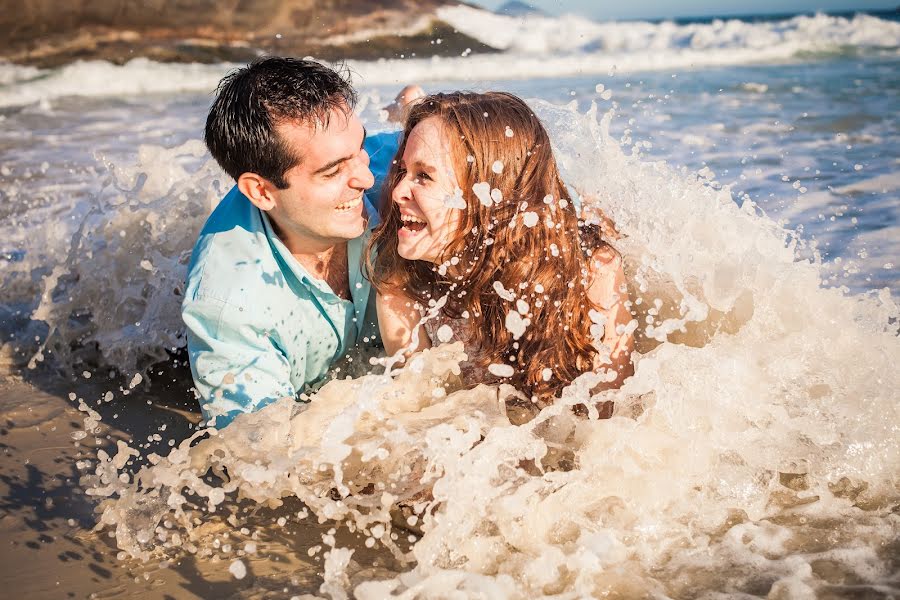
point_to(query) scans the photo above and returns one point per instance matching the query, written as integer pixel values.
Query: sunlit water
(754, 451)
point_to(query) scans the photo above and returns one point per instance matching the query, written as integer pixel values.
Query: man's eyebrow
(338, 161)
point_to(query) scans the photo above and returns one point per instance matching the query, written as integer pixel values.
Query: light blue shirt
(259, 326)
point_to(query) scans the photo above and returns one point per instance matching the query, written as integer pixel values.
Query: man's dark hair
(252, 101)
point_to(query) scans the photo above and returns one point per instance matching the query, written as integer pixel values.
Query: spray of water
(754, 450)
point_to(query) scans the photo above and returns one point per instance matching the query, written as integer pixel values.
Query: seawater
(754, 451)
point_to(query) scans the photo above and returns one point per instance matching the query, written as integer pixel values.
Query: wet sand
(49, 549)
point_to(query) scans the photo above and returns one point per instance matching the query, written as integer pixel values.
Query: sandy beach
(49, 549)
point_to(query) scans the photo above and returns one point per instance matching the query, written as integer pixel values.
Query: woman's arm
(608, 292)
(398, 321)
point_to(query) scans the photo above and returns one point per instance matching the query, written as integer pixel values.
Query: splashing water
(127, 262)
(754, 451)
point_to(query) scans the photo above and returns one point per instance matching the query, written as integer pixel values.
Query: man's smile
(350, 205)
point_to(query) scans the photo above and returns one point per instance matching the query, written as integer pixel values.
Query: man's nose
(362, 177)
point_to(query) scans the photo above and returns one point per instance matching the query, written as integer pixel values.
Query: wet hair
(252, 101)
(543, 258)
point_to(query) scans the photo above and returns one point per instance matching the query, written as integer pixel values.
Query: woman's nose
(400, 193)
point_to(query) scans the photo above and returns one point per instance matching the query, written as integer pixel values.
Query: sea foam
(762, 414)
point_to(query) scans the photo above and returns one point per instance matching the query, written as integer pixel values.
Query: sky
(662, 9)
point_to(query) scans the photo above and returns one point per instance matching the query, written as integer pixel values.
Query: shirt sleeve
(237, 366)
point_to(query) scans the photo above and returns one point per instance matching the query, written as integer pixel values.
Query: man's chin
(353, 230)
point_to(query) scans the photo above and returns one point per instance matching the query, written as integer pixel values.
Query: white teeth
(349, 205)
(411, 219)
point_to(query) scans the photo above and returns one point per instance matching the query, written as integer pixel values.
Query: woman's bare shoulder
(607, 286)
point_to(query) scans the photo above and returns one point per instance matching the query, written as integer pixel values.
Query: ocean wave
(535, 34)
(25, 85)
(534, 47)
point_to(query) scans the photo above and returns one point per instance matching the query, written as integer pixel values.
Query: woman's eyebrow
(419, 164)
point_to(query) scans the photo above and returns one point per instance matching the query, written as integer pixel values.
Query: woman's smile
(411, 224)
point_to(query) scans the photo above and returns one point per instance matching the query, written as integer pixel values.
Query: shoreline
(172, 46)
(186, 31)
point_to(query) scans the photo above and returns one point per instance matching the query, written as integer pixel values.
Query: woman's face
(427, 194)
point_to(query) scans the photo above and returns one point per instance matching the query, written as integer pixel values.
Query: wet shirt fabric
(259, 326)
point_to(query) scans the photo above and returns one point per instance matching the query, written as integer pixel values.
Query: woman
(480, 242)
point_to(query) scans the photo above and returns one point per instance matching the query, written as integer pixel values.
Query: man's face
(322, 205)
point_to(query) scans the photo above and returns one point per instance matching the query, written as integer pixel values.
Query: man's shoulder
(381, 148)
(234, 214)
(232, 252)
(383, 145)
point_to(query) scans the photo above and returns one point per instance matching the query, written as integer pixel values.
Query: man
(275, 292)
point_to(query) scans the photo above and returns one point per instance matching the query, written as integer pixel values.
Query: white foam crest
(535, 34)
(102, 78)
(12, 73)
(763, 409)
(488, 67)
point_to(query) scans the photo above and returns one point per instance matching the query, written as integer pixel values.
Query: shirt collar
(359, 285)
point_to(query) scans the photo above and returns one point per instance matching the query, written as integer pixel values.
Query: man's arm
(237, 367)
(409, 95)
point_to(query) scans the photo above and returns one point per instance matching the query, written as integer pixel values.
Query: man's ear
(257, 189)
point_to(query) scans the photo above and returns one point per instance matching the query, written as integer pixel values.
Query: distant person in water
(480, 242)
(275, 293)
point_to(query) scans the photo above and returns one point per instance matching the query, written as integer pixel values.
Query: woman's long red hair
(531, 242)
